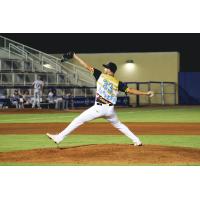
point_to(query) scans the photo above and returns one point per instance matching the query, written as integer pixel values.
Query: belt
(101, 100)
(101, 104)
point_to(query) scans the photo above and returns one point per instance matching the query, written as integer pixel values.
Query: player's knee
(79, 121)
(117, 125)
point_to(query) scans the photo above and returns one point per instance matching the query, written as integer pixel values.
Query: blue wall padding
(189, 88)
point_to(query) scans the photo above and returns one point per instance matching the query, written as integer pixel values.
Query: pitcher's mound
(109, 154)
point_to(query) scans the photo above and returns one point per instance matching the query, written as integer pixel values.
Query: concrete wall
(148, 66)
(158, 66)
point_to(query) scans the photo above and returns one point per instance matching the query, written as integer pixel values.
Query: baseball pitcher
(106, 97)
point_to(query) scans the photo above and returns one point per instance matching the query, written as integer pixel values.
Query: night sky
(187, 44)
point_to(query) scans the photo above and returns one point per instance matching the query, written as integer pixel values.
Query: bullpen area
(171, 136)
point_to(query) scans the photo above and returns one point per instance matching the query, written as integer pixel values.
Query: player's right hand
(150, 93)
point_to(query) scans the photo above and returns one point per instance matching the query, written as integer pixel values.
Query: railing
(17, 79)
(49, 64)
(23, 53)
(159, 90)
(13, 65)
(50, 61)
(38, 54)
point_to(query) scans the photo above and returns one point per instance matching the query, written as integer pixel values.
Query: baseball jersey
(108, 87)
(38, 84)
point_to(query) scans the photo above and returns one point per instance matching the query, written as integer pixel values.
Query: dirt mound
(106, 155)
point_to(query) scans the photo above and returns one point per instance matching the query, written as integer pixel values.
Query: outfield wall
(189, 88)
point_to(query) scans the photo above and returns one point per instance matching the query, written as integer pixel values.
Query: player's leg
(34, 99)
(113, 119)
(38, 99)
(17, 104)
(88, 115)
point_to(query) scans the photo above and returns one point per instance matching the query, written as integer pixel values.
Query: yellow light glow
(129, 67)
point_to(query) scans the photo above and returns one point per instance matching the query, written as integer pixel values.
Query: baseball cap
(112, 66)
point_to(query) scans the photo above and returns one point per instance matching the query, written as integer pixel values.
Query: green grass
(35, 141)
(27, 142)
(176, 114)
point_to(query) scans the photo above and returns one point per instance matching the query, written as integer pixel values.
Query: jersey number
(108, 86)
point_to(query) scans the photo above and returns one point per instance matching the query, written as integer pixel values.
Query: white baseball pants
(98, 111)
(36, 99)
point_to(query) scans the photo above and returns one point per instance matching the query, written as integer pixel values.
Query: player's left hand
(150, 93)
(67, 56)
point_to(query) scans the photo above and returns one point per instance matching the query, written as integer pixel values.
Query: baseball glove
(67, 56)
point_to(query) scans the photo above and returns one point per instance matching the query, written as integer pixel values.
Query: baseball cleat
(54, 138)
(138, 144)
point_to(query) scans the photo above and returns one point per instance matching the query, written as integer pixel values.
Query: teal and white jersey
(108, 87)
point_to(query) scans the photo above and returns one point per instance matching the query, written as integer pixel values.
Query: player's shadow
(73, 147)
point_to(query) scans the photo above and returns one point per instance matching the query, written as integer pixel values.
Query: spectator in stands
(26, 98)
(38, 88)
(68, 101)
(2, 94)
(17, 99)
(21, 101)
(59, 102)
(51, 96)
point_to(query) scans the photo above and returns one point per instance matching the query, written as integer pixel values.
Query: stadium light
(130, 61)
(129, 65)
(48, 66)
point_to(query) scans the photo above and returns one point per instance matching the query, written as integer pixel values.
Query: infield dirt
(115, 154)
(102, 128)
(112, 154)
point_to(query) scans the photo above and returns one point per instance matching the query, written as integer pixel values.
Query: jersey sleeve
(96, 73)
(122, 87)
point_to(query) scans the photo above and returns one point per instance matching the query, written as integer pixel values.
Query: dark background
(188, 45)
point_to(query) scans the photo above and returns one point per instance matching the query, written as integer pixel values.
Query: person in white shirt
(38, 88)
